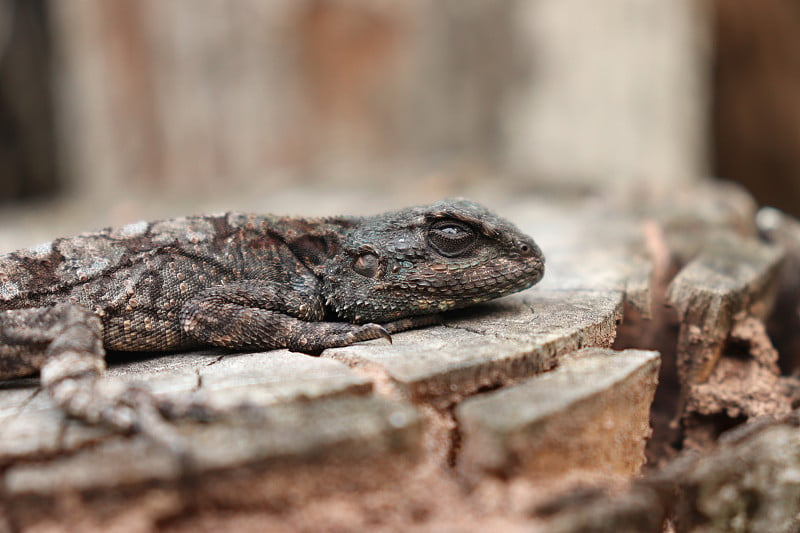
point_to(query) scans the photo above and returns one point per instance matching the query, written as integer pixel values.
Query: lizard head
(424, 260)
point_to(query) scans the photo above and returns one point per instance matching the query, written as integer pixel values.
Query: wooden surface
(515, 414)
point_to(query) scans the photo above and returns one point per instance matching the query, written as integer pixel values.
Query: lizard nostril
(526, 248)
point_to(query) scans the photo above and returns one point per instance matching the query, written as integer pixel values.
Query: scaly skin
(242, 281)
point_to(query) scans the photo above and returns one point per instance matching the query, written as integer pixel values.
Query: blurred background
(115, 109)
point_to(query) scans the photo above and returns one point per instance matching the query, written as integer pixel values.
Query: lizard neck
(315, 241)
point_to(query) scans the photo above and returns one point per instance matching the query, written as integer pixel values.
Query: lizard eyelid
(451, 238)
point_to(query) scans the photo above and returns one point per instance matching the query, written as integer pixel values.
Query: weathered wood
(491, 345)
(32, 426)
(638, 510)
(560, 422)
(732, 277)
(749, 483)
(262, 397)
(726, 363)
(784, 231)
(418, 426)
(255, 447)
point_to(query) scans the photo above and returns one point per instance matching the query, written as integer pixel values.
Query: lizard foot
(128, 408)
(367, 332)
(314, 337)
(337, 334)
(384, 331)
(412, 322)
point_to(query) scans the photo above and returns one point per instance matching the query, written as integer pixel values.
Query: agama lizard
(242, 281)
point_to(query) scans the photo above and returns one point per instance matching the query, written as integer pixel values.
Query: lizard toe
(370, 331)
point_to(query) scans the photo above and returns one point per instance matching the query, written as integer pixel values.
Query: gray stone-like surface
(492, 344)
(591, 412)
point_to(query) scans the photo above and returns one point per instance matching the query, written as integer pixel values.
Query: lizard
(242, 281)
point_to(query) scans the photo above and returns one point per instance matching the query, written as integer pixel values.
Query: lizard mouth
(476, 285)
(427, 295)
(517, 279)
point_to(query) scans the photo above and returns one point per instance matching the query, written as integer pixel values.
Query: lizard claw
(384, 333)
(371, 331)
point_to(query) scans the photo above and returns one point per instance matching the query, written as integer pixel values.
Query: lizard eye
(367, 264)
(451, 238)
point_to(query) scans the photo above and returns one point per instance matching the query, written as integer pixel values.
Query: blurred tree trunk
(193, 95)
(27, 143)
(756, 115)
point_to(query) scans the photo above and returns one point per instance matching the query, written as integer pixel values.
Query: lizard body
(243, 281)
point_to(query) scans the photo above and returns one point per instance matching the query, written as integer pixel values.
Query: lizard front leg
(263, 315)
(65, 343)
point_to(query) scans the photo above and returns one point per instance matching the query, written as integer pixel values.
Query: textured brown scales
(242, 281)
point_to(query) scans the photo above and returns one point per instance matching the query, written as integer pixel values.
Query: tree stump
(533, 411)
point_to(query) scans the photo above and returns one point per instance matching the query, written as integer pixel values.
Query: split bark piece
(732, 277)
(726, 364)
(591, 413)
